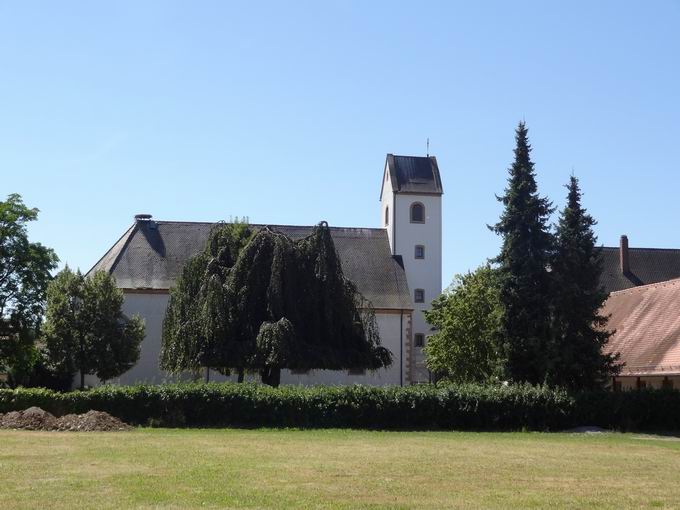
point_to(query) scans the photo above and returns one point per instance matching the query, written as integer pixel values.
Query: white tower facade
(411, 211)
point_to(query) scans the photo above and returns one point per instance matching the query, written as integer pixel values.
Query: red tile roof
(646, 320)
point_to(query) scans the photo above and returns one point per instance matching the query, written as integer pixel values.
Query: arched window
(417, 212)
(387, 215)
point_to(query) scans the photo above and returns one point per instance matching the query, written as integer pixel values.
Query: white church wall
(151, 307)
(393, 330)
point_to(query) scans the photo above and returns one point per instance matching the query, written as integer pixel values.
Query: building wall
(394, 334)
(424, 273)
(630, 382)
(387, 205)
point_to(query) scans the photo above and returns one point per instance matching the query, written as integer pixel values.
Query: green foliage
(24, 274)
(579, 330)
(264, 302)
(524, 261)
(551, 330)
(462, 407)
(85, 330)
(467, 318)
(195, 329)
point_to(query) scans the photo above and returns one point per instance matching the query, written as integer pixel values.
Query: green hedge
(464, 407)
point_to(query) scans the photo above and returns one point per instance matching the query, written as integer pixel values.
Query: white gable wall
(387, 205)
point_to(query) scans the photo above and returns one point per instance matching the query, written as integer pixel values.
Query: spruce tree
(524, 270)
(579, 330)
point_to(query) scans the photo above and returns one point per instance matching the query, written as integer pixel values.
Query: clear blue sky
(283, 112)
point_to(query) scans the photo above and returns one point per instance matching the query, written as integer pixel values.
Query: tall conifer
(524, 269)
(579, 330)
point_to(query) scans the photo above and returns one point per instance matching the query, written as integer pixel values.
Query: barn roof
(647, 265)
(647, 328)
(150, 255)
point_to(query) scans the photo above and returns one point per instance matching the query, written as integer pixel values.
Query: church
(396, 266)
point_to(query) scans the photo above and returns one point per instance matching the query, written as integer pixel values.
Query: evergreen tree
(524, 270)
(85, 329)
(579, 331)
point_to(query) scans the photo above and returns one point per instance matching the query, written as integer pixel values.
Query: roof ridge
(665, 283)
(617, 248)
(407, 156)
(265, 225)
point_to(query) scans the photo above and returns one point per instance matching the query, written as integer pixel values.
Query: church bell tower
(411, 212)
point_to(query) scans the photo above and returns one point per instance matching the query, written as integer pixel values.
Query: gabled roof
(150, 255)
(647, 328)
(647, 265)
(413, 174)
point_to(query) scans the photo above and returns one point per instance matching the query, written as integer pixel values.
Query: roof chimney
(623, 255)
(142, 217)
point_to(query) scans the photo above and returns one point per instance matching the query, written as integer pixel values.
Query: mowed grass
(161, 468)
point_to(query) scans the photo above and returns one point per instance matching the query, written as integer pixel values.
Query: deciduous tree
(277, 303)
(85, 330)
(467, 317)
(24, 275)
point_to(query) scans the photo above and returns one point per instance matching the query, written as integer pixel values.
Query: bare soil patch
(35, 418)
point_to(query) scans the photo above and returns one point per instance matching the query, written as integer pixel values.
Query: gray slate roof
(150, 255)
(414, 174)
(647, 265)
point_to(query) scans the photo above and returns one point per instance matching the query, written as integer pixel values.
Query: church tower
(411, 211)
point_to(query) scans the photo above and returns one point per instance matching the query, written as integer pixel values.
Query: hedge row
(466, 407)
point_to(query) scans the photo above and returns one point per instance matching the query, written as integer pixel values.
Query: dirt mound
(35, 418)
(91, 421)
(32, 418)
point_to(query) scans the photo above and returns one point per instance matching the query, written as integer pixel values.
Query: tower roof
(414, 174)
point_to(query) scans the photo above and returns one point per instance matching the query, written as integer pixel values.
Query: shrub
(462, 407)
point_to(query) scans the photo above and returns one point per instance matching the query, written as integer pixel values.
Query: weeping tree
(268, 302)
(194, 322)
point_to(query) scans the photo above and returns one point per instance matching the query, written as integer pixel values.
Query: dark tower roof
(414, 174)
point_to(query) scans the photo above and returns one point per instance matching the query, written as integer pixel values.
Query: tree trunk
(241, 374)
(271, 376)
(82, 380)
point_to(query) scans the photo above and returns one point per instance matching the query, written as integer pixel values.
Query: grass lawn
(161, 468)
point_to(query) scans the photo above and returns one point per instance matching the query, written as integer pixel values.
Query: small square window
(419, 340)
(419, 296)
(420, 251)
(356, 371)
